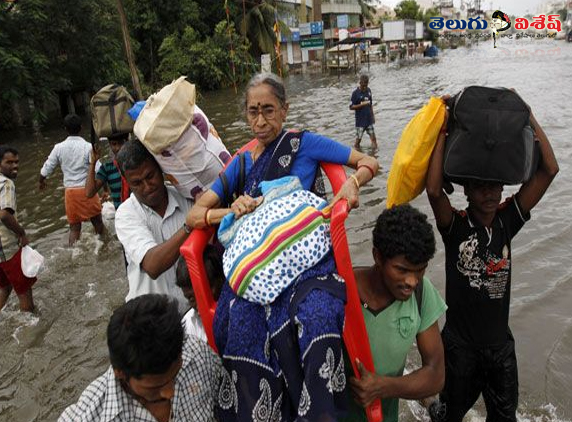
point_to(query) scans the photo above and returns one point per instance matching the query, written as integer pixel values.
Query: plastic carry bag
(193, 163)
(411, 159)
(32, 262)
(166, 115)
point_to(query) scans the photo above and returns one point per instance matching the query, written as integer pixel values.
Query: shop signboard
(343, 21)
(313, 43)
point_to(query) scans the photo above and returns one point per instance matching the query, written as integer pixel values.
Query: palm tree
(366, 9)
(257, 24)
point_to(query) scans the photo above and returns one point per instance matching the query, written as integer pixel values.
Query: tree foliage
(408, 9)
(429, 13)
(51, 46)
(206, 61)
(258, 26)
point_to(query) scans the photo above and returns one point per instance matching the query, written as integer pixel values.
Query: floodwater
(47, 359)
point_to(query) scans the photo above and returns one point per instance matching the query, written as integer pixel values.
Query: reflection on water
(48, 359)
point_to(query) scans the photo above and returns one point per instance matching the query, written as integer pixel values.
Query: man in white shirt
(12, 235)
(150, 225)
(73, 155)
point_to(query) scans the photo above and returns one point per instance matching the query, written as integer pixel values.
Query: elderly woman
(282, 361)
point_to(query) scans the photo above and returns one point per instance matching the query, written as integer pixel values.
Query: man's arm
(92, 185)
(8, 219)
(434, 184)
(48, 167)
(424, 382)
(532, 191)
(354, 103)
(141, 246)
(160, 258)
(371, 105)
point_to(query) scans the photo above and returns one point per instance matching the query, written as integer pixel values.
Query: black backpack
(489, 137)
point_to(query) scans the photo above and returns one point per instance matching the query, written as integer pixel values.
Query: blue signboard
(316, 28)
(294, 35)
(343, 21)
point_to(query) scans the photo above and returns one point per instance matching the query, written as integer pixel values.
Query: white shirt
(139, 229)
(193, 324)
(72, 155)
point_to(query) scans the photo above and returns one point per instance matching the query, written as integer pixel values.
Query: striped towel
(268, 249)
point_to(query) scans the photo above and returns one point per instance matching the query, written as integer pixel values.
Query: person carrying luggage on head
(479, 347)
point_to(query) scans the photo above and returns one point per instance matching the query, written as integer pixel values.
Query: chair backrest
(355, 335)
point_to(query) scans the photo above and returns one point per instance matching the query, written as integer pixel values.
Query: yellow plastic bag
(411, 160)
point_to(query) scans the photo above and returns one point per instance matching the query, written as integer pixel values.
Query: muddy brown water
(46, 360)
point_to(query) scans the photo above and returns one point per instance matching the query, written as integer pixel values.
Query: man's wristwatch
(186, 228)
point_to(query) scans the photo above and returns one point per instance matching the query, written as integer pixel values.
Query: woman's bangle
(367, 167)
(354, 178)
(206, 218)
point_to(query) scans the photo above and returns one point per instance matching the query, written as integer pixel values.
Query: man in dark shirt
(362, 104)
(479, 347)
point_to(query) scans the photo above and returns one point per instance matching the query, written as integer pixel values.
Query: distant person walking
(73, 156)
(362, 104)
(11, 276)
(108, 173)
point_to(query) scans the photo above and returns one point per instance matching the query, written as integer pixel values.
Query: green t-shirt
(391, 334)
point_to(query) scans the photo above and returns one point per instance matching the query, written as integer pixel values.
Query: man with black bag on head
(479, 347)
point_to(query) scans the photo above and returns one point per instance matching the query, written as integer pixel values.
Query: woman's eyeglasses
(269, 113)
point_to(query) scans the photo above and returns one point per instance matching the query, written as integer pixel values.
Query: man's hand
(366, 389)
(43, 184)
(94, 153)
(23, 241)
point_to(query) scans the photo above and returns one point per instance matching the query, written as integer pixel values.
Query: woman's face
(264, 113)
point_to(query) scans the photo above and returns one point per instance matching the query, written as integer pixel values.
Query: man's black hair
(118, 137)
(404, 230)
(145, 336)
(213, 267)
(132, 155)
(72, 124)
(5, 150)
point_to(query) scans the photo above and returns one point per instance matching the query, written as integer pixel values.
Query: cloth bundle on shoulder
(489, 137)
(109, 108)
(180, 136)
(268, 249)
(411, 159)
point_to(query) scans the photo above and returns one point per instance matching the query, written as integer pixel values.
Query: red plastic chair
(355, 334)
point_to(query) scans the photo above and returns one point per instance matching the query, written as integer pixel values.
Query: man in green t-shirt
(399, 307)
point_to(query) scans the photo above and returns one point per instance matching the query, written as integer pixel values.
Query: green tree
(429, 13)
(54, 46)
(367, 9)
(206, 61)
(151, 21)
(408, 9)
(258, 26)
